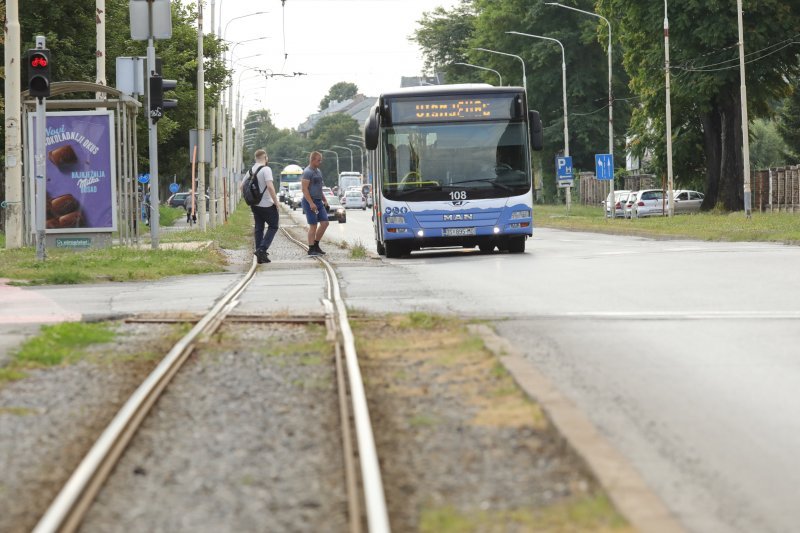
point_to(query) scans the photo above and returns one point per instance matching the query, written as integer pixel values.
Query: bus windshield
(426, 162)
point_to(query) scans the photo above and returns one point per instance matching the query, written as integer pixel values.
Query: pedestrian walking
(265, 212)
(314, 203)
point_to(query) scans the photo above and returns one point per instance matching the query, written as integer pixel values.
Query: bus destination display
(449, 109)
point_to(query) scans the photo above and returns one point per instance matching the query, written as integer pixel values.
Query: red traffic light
(38, 61)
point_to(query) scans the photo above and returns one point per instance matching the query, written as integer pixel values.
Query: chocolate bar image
(61, 205)
(63, 156)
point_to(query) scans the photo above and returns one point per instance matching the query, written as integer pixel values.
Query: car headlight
(520, 214)
(395, 220)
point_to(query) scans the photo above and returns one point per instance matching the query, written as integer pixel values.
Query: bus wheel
(516, 245)
(395, 249)
(381, 248)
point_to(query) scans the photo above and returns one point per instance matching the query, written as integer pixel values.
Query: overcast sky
(360, 41)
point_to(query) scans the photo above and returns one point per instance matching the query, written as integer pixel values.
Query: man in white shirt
(266, 211)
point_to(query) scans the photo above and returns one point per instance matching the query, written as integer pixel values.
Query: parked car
(354, 200)
(629, 202)
(177, 199)
(618, 206)
(336, 210)
(295, 199)
(650, 202)
(688, 201)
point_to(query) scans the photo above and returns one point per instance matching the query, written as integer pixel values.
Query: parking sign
(564, 171)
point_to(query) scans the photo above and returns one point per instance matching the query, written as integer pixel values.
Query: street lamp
(337, 160)
(482, 68)
(524, 79)
(349, 150)
(564, 95)
(362, 155)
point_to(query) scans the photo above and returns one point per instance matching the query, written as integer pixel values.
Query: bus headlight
(395, 220)
(520, 214)
(420, 233)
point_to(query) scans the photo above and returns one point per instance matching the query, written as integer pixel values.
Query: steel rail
(375, 500)
(70, 505)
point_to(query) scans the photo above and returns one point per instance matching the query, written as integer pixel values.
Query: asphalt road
(682, 353)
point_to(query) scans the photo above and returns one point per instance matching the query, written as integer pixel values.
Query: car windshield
(332, 200)
(431, 161)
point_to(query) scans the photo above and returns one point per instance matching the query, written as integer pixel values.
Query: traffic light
(38, 60)
(157, 103)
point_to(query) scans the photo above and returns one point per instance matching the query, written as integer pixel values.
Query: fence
(777, 189)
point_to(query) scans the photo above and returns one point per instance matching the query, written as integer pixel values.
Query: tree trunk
(723, 146)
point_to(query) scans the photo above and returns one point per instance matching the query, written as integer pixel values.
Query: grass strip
(64, 342)
(236, 233)
(711, 226)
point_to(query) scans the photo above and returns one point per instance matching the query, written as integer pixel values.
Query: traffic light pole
(41, 169)
(152, 130)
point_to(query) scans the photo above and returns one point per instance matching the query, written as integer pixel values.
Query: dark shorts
(314, 218)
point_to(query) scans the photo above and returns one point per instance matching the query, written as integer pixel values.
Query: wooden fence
(776, 189)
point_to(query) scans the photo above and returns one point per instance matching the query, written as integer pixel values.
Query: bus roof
(462, 88)
(292, 169)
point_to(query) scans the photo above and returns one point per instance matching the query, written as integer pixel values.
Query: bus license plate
(458, 232)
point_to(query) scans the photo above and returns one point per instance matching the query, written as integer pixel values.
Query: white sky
(359, 41)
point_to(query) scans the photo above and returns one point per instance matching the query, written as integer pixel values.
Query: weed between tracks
(462, 447)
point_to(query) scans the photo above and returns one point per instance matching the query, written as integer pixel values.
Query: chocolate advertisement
(81, 171)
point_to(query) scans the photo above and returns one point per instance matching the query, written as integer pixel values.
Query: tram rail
(75, 498)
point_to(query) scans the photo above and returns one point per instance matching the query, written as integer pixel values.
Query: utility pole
(668, 113)
(13, 117)
(745, 129)
(100, 8)
(201, 121)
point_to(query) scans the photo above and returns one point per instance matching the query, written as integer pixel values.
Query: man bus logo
(449, 218)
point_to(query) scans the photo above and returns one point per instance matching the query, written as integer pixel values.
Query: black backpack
(250, 190)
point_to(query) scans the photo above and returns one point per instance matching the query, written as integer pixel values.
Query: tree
(443, 36)
(789, 123)
(705, 79)
(332, 130)
(767, 148)
(337, 93)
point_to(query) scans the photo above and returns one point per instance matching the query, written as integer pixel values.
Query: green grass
(236, 233)
(2, 240)
(108, 264)
(59, 343)
(358, 251)
(589, 513)
(168, 215)
(712, 226)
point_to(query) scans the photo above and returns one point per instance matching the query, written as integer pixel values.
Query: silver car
(618, 204)
(650, 202)
(688, 201)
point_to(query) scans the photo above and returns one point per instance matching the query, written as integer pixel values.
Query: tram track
(76, 497)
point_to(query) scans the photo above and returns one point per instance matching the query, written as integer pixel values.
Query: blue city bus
(452, 167)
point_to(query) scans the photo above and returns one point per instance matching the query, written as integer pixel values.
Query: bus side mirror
(535, 124)
(371, 129)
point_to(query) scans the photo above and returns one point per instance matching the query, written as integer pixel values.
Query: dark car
(177, 199)
(336, 210)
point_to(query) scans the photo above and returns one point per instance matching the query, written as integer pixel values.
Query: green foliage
(443, 37)
(333, 130)
(63, 342)
(338, 92)
(789, 124)
(767, 148)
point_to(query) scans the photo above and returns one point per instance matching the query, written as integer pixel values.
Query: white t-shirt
(264, 175)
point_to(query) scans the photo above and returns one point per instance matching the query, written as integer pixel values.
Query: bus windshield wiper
(412, 190)
(482, 180)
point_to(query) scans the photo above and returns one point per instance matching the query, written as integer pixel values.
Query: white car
(619, 203)
(354, 200)
(650, 202)
(688, 201)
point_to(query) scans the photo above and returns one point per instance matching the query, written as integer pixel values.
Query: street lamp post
(362, 156)
(610, 92)
(337, 160)
(745, 132)
(668, 112)
(482, 68)
(564, 95)
(524, 79)
(349, 150)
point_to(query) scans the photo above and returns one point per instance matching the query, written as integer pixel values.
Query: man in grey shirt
(314, 203)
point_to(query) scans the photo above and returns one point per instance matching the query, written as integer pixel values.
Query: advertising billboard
(80, 170)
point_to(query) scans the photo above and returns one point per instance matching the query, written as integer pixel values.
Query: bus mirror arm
(535, 125)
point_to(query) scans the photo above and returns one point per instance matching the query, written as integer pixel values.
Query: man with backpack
(265, 207)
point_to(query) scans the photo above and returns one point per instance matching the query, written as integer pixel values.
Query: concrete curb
(633, 498)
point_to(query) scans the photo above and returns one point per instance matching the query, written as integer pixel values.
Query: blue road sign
(174, 187)
(564, 167)
(604, 166)
(143, 178)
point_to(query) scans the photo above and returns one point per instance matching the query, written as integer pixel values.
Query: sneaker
(321, 252)
(313, 251)
(262, 256)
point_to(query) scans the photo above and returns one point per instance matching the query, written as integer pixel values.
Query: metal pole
(337, 161)
(152, 129)
(351, 154)
(41, 169)
(483, 68)
(668, 112)
(362, 155)
(745, 132)
(215, 163)
(13, 118)
(524, 78)
(201, 120)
